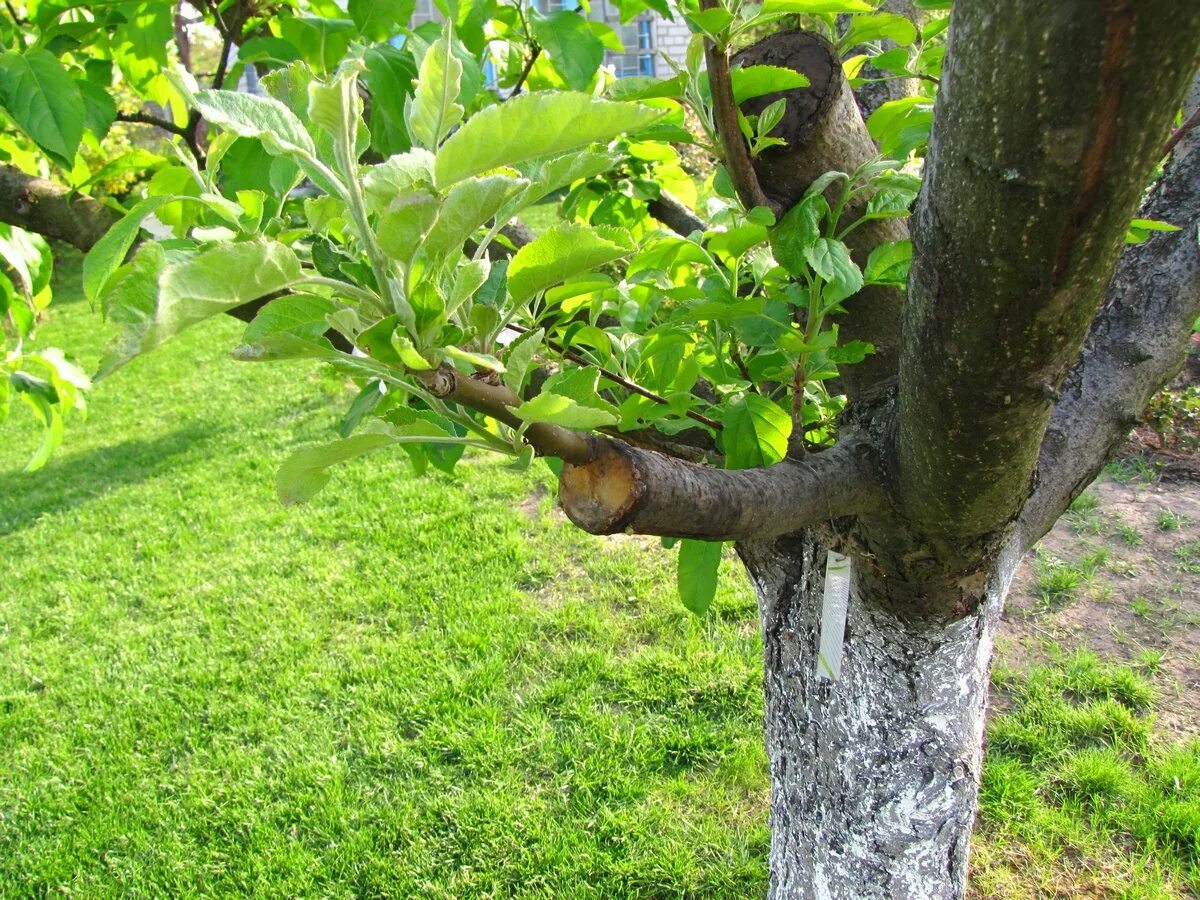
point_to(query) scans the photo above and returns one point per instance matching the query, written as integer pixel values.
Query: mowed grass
(1078, 797)
(409, 687)
(431, 687)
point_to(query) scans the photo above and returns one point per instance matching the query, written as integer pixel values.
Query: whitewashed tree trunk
(875, 776)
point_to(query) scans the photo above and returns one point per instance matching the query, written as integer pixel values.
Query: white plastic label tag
(833, 615)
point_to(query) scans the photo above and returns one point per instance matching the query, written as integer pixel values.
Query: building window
(637, 36)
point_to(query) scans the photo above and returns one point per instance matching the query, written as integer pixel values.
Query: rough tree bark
(874, 777)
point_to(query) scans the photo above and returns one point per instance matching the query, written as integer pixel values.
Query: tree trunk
(874, 776)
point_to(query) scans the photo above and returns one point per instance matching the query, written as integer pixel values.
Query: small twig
(736, 154)
(156, 121)
(213, 9)
(12, 12)
(1181, 132)
(533, 58)
(188, 132)
(621, 380)
(223, 63)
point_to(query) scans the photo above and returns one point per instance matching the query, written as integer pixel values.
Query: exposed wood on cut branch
(825, 132)
(628, 489)
(52, 210)
(1137, 342)
(1032, 176)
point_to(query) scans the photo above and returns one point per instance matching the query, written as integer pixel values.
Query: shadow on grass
(70, 481)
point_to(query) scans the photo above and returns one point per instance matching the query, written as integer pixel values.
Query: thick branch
(1136, 343)
(1032, 176)
(825, 132)
(628, 489)
(51, 210)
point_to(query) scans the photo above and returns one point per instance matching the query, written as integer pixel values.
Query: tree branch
(52, 210)
(188, 132)
(735, 153)
(1181, 132)
(631, 386)
(627, 489)
(608, 486)
(1136, 343)
(675, 215)
(1032, 176)
(529, 63)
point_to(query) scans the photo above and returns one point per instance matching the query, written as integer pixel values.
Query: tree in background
(882, 414)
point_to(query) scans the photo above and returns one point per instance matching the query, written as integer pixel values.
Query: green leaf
(888, 264)
(575, 51)
(559, 410)
(389, 76)
(1140, 229)
(108, 253)
(468, 205)
(248, 115)
(812, 7)
(479, 360)
(581, 384)
(755, 432)
(561, 252)
(403, 225)
(306, 471)
(265, 118)
(30, 258)
(520, 357)
(382, 183)
(99, 109)
(711, 21)
(303, 315)
(337, 108)
(831, 261)
(889, 203)
(535, 125)
(195, 289)
(548, 175)
(798, 231)
(44, 101)
(754, 81)
(379, 20)
(881, 26)
(697, 573)
(434, 110)
(468, 279)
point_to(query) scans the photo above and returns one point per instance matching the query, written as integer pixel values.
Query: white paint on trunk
(874, 783)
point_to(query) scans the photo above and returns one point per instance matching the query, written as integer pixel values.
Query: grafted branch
(1138, 341)
(1032, 176)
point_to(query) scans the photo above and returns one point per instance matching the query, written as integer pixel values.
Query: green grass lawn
(409, 687)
